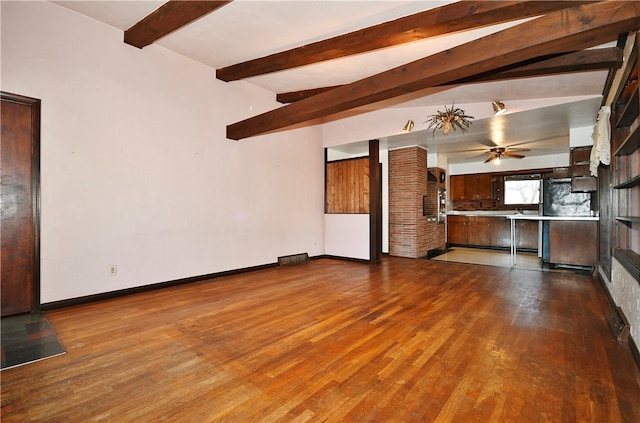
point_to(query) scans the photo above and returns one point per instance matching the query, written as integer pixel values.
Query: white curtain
(601, 151)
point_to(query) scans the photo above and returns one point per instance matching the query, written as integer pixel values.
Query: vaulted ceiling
(339, 58)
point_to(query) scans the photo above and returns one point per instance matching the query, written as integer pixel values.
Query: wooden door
(20, 159)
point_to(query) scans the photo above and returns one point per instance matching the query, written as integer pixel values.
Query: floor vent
(619, 325)
(293, 259)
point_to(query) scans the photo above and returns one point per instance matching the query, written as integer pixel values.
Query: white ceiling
(541, 110)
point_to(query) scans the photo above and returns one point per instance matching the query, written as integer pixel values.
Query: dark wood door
(19, 268)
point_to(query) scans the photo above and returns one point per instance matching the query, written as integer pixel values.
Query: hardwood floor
(328, 340)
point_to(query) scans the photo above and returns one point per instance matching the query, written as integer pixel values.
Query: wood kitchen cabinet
(456, 187)
(573, 242)
(483, 186)
(527, 234)
(471, 187)
(457, 230)
(500, 232)
(491, 231)
(479, 231)
(464, 230)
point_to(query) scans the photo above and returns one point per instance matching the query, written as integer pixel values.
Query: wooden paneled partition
(348, 186)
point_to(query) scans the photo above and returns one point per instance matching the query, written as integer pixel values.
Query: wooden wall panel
(348, 186)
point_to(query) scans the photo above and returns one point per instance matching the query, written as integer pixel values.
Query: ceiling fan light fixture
(408, 126)
(498, 107)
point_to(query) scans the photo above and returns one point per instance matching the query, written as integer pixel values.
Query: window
(522, 189)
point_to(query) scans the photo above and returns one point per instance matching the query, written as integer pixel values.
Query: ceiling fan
(497, 153)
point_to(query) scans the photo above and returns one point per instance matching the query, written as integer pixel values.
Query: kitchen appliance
(442, 205)
(558, 200)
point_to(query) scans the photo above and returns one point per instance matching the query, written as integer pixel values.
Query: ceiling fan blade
(488, 143)
(490, 158)
(527, 142)
(511, 150)
(475, 156)
(515, 156)
(468, 150)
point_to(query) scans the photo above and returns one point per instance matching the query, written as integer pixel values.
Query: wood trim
(353, 259)
(430, 23)
(326, 160)
(145, 288)
(168, 18)
(579, 61)
(375, 202)
(570, 29)
(36, 106)
(77, 301)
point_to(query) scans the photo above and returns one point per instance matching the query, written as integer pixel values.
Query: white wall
(136, 170)
(347, 235)
(580, 137)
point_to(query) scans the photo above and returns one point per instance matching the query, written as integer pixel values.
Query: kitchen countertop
(491, 213)
(532, 217)
(519, 216)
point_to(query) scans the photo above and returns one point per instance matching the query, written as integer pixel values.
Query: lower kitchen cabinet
(479, 230)
(573, 242)
(491, 231)
(527, 234)
(457, 230)
(500, 232)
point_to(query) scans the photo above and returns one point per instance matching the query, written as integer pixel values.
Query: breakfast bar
(513, 218)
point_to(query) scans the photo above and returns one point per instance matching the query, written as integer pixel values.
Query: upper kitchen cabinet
(471, 187)
(479, 186)
(456, 187)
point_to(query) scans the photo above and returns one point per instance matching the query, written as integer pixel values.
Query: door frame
(35, 105)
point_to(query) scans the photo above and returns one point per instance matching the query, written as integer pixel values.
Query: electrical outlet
(113, 270)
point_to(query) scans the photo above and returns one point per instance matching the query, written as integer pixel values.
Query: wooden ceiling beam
(169, 17)
(571, 29)
(446, 19)
(579, 61)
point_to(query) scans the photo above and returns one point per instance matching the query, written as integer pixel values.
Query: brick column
(407, 186)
